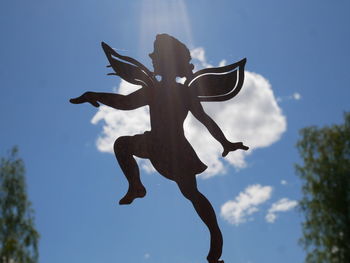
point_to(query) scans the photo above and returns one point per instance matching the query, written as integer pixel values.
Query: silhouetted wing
(218, 84)
(128, 68)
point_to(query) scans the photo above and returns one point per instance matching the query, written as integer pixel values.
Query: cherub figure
(165, 145)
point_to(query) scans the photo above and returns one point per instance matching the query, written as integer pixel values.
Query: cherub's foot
(211, 260)
(215, 261)
(132, 194)
(241, 146)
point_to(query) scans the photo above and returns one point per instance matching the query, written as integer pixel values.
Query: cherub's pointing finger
(77, 100)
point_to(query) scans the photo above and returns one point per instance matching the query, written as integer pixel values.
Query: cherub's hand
(86, 97)
(232, 146)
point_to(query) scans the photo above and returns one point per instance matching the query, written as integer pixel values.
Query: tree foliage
(18, 237)
(325, 174)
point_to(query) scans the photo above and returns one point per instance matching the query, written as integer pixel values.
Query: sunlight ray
(158, 17)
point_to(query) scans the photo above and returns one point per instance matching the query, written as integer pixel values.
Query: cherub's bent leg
(124, 148)
(204, 209)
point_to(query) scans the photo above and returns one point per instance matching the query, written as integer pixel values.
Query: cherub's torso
(169, 104)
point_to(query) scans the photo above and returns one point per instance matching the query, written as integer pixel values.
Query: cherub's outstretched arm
(198, 111)
(132, 101)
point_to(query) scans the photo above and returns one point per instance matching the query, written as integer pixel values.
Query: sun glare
(159, 16)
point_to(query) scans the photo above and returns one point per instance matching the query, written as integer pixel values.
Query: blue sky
(50, 51)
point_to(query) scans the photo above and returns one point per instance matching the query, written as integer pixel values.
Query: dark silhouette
(169, 103)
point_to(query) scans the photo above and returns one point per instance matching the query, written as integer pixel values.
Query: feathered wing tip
(128, 68)
(218, 84)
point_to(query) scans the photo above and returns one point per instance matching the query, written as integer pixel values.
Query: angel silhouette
(165, 145)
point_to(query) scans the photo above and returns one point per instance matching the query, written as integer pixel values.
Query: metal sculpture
(165, 145)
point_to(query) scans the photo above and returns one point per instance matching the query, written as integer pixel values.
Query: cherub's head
(170, 57)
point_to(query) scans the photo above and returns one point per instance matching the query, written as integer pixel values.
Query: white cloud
(240, 209)
(284, 182)
(253, 117)
(120, 123)
(199, 55)
(222, 63)
(296, 96)
(282, 205)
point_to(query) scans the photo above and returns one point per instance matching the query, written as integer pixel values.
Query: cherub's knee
(121, 145)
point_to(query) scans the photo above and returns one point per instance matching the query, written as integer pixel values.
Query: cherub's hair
(168, 47)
